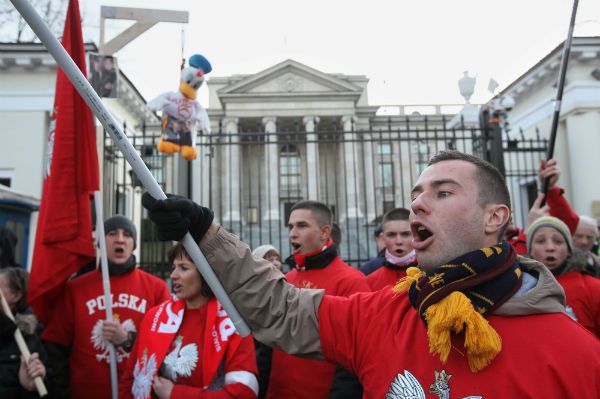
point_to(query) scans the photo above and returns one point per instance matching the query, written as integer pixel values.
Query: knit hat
(121, 222)
(549, 221)
(260, 252)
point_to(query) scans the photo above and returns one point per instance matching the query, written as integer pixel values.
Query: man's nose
(420, 204)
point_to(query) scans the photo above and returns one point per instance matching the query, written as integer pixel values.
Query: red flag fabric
(63, 241)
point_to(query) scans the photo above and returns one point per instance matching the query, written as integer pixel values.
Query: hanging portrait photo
(103, 75)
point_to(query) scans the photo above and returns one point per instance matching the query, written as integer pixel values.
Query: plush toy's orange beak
(187, 90)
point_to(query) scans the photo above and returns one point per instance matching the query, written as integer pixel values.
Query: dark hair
(178, 251)
(378, 230)
(18, 281)
(490, 182)
(395, 214)
(320, 211)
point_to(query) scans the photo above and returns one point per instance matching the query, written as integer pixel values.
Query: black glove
(177, 215)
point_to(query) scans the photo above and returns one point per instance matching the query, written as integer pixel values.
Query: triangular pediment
(290, 77)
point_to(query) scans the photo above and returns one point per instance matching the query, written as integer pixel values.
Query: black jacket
(10, 356)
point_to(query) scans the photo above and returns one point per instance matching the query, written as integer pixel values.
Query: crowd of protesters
(457, 297)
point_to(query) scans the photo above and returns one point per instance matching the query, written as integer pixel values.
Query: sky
(413, 52)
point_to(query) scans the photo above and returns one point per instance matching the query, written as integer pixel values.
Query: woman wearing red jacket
(188, 347)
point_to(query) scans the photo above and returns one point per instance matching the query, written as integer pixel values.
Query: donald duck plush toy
(182, 115)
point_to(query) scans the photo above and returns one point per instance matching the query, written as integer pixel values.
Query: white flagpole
(106, 286)
(141, 170)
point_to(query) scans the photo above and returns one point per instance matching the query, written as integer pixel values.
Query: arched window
(289, 171)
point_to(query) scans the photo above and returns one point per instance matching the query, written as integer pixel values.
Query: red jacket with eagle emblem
(380, 337)
(77, 324)
(241, 363)
(299, 378)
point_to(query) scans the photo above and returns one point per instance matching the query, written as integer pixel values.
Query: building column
(270, 210)
(350, 166)
(230, 179)
(201, 183)
(312, 157)
(583, 144)
(369, 176)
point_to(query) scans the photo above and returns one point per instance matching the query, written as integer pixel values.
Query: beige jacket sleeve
(279, 314)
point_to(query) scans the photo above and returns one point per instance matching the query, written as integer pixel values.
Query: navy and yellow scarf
(454, 298)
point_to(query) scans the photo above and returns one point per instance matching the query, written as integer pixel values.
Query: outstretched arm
(279, 314)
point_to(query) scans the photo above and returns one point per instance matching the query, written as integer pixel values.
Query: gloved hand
(177, 215)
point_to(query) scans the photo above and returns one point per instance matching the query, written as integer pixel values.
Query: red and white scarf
(402, 261)
(159, 329)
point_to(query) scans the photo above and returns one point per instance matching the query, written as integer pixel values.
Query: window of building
(388, 206)
(387, 175)
(384, 149)
(289, 171)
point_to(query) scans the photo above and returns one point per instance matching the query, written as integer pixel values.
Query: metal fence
(251, 175)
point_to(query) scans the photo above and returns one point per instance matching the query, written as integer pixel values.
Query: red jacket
(294, 377)
(560, 208)
(583, 296)
(391, 355)
(238, 366)
(385, 276)
(77, 324)
(519, 242)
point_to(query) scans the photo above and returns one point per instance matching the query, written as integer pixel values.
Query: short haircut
(320, 211)
(589, 222)
(178, 251)
(490, 182)
(395, 214)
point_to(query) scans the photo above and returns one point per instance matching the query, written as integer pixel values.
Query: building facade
(27, 85)
(577, 146)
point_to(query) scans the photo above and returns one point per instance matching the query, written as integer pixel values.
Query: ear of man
(496, 219)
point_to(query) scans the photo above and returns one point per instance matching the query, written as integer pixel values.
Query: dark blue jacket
(373, 264)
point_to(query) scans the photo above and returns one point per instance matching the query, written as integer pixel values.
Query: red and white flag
(63, 241)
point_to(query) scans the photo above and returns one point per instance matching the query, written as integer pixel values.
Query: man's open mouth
(422, 236)
(295, 247)
(422, 232)
(120, 250)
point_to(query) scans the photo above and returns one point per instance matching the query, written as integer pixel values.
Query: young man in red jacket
(77, 336)
(469, 322)
(318, 266)
(399, 254)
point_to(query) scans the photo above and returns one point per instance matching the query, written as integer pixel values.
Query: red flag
(63, 242)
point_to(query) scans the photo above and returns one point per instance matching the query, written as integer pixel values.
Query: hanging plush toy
(182, 115)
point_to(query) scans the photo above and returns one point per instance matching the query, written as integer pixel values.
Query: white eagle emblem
(142, 376)
(102, 345)
(181, 361)
(406, 386)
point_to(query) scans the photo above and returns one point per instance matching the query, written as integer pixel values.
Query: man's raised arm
(279, 314)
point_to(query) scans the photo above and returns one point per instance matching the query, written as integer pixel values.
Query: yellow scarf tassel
(453, 313)
(412, 275)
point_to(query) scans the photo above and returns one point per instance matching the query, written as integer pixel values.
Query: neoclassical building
(291, 132)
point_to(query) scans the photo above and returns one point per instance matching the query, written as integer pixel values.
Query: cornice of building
(583, 50)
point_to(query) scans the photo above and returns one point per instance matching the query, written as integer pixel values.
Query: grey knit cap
(121, 222)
